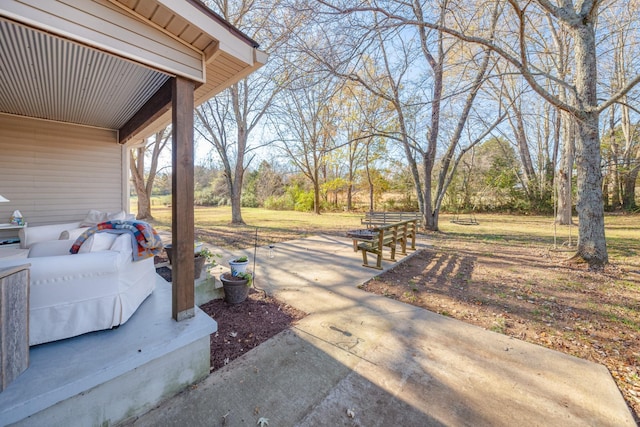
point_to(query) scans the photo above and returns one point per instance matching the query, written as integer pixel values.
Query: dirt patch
(528, 292)
(244, 326)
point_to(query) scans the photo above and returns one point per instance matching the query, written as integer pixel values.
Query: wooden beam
(182, 225)
(155, 107)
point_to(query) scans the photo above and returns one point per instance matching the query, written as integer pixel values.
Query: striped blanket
(145, 241)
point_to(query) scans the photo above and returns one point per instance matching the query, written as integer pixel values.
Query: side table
(16, 229)
(14, 323)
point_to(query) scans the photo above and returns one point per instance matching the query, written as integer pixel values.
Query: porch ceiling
(52, 78)
(62, 63)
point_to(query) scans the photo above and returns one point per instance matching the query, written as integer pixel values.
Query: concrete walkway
(360, 359)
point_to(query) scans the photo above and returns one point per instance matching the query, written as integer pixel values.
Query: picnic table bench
(372, 218)
(374, 240)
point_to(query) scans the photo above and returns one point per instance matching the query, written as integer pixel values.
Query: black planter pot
(235, 291)
(198, 261)
(198, 265)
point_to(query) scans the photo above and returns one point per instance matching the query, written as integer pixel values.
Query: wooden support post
(182, 224)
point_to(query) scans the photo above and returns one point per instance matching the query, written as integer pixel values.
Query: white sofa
(67, 231)
(74, 294)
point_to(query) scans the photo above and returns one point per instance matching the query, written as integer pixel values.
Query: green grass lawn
(622, 231)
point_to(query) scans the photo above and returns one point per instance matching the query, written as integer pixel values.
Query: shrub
(279, 203)
(304, 201)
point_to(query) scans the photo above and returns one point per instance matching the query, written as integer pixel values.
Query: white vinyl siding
(56, 172)
(108, 27)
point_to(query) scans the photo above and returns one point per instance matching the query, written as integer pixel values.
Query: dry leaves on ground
(528, 292)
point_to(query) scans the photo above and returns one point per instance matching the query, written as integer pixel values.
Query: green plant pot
(235, 289)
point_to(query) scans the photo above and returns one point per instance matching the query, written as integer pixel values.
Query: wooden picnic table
(375, 239)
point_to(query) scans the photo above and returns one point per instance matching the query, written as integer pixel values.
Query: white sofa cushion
(50, 248)
(97, 242)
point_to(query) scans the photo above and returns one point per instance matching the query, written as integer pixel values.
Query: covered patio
(82, 82)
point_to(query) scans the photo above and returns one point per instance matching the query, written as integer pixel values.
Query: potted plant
(204, 255)
(168, 248)
(201, 255)
(236, 286)
(239, 265)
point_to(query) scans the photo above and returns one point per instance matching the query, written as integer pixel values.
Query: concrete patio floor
(360, 359)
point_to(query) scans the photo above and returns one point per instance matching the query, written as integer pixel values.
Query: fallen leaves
(587, 314)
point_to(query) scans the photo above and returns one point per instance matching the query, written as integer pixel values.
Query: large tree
(228, 120)
(306, 126)
(516, 45)
(143, 177)
(431, 81)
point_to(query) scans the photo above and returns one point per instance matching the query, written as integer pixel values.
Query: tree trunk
(350, 190)
(369, 180)
(136, 166)
(316, 197)
(629, 195)
(236, 204)
(143, 190)
(236, 191)
(430, 214)
(563, 178)
(592, 246)
(242, 134)
(144, 205)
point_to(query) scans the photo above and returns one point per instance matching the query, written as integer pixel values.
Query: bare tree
(307, 129)
(515, 47)
(227, 121)
(143, 179)
(419, 72)
(622, 141)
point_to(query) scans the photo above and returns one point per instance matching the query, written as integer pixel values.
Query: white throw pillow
(103, 241)
(93, 218)
(97, 242)
(113, 216)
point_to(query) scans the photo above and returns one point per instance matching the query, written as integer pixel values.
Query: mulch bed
(244, 326)
(165, 273)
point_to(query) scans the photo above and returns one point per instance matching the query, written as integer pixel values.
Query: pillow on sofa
(95, 217)
(97, 242)
(72, 234)
(116, 216)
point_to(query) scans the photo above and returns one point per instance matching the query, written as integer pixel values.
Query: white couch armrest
(43, 233)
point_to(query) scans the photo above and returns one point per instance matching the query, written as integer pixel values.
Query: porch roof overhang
(108, 63)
